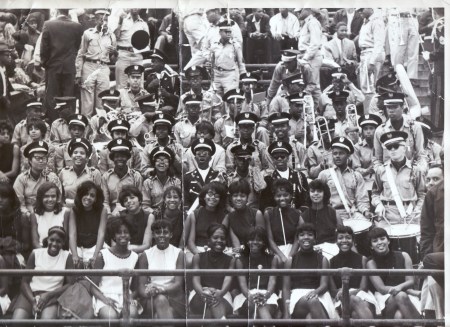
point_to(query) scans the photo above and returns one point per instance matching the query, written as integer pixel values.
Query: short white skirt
(240, 299)
(227, 297)
(325, 299)
(365, 296)
(381, 299)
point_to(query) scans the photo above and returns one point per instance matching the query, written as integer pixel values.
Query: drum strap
(394, 191)
(340, 191)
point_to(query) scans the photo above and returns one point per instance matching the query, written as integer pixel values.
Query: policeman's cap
(371, 119)
(109, 95)
(233, 94)
(393, 137)
(158, 54)
(78, 119)
(118, 125)
(33, 103)
(162, 150)
(289, 55)
(203, 144)
(75, 143)
(387, 83)
(248, 118)
(343, 143)
(297, 97)
(147, 100)
(426, 124)
(193, 99)
(280, 147)
(102, 12)
(163, 119)
(242, 150)
(226, 25)
(393, 98)
(134, 69)
(279, 118)
(36, 146)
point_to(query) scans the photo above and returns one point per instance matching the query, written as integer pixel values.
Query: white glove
(426, 55)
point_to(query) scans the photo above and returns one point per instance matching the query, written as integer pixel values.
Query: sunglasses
(279, 156)
(393, 146)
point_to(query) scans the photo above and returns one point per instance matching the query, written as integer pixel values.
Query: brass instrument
(352, 117)
(309, 117)
(322, 123)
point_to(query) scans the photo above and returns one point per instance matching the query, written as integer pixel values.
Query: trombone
(352, 117)
(309, 117)
(322, 123)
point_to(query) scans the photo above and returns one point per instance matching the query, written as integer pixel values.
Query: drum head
(140, 39)
(403, 230)
(358, 225)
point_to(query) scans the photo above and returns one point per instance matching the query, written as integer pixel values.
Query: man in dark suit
(61, 40)
(343, 15)
(5, 86)
(258, 32)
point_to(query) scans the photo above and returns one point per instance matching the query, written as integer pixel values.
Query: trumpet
(309, 117)
(322, 123)
(352, 115)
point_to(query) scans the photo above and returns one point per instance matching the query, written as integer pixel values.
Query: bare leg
(360, 308)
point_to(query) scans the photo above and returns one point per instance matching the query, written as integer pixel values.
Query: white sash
(394, 191)
(340, 191)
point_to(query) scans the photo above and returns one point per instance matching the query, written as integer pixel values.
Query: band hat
(78, 119)
(279, 118)
(297, 97)
(162, 150)
(158, 54)
(192, 98)
(163, 119)
(62, 102)
(233, 94)
(246, 118)
(109, 95)
(289, 55)
(243, 150)
(393, 98)
(338, 96)
(102, 12)
(134, 69)
(36, 146)
(226, 24)
(194, 70)
(343, 143)
(336, 72)
(249, 77)
(74, 143)
(279, 146)
(370, 119)
(203, 144)
(425, 123)
(33, 103)
(120, 145)
(118, 124)
(393, 137)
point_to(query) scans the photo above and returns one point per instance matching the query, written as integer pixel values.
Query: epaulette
(110, 170)
(92, 169)
(256, 142)
(67, 168)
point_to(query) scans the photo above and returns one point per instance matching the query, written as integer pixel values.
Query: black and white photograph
(196, 163)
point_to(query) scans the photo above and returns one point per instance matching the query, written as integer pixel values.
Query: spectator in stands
(117, 256)
(10, 163)
(163, 295)
(211, 210)
(79, 150)
(242, 217)
(129, 23)
(28, 182)
(395, 294)
(307, 294)
(92, 73)
(432, 149)
(130, 92)
(434, 176)
(114, 179)
(371, 42)
(195, 27)
(285, 30)
(34, 109)
(87, 224)
(48, 212)
(39, 293)
(257, 293)
(351, 18)
(160, 178)
(61, 40)
(5, 86)
(362, 301)
(60, 131)
(210, 294)
(165, 42)
(258, 37)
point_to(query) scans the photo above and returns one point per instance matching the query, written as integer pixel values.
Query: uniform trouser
(225, 81)
(316, 63)
(162, 43)
(125, 59)
(403, 40)
(367, 81)
(94, 79)
(57, 84)
(195, 29)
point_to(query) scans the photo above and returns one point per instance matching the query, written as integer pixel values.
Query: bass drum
(411, 98)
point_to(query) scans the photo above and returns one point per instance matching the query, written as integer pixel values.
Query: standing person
(48, 212)
(310, 39)
(352, 19)
(92, 62)
(165, 293)
(285, 29)
(402, 31)
(128, 25)
(39, 294)
(195, 27)
(61, 40)
(118, 256)
(10, 163)
(395, 294)
(87, 224)
(5, 85)
(372, 37)
(258, 31)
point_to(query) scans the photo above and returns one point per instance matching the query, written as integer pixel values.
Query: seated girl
(308, 295)
(48, 212)
(118, 256)
(281, 221)
(39, 293)
(362, 301)
(211, 294)
(243, 218)
(130, 197)
(395, 294)
(162, 296)
(256, 290)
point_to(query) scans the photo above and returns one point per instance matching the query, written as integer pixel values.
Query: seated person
(10, 163)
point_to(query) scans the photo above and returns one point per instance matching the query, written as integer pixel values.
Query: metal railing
(345, 320)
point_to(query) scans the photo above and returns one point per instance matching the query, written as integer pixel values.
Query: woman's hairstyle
(55, 230)
(217, 187)
(113, 225)
(7, 191)
(306, 227)
(129, 190)
(44, 188)
(82, 190)
(6, 125)
(39, 124)
(320, 185)
(282, 184)
(161, 224)
(340, 229)
(172, 188)
(207, 126)
(377, 232)
(240, 186)
(256, 232)
(215, 226)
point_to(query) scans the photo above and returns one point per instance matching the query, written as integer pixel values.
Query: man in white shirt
(285, 29)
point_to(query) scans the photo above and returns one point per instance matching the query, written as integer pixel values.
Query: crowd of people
(124, 160)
